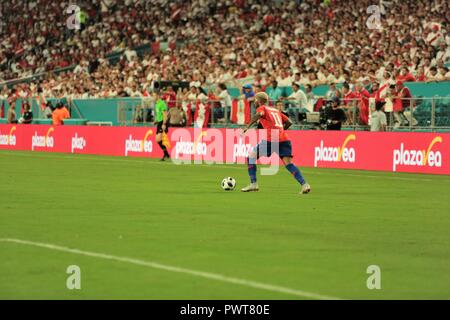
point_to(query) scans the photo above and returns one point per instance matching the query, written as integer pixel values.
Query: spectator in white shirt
(225, 103)
(332, 92)
(433, 75)
(443, 74)
(378, 120)
(297, 97)
(192, 96)
(298, 102)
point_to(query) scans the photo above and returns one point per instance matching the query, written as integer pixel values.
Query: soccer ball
(228, 184)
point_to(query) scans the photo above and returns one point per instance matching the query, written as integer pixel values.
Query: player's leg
(251, 165)
(158, 138)
(285, 154)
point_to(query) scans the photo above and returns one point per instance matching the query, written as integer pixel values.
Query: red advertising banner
(390, 151)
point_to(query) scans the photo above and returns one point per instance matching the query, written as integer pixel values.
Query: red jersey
(404, 101)
(363, 97)
(406, 78)
(170, 98)
(350, 97)
(273, 120)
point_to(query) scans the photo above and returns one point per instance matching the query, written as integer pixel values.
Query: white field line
(155, 265)
(230, 166)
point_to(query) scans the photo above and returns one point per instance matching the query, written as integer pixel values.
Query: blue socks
(292, 168)
(295, 173)
(251, 166)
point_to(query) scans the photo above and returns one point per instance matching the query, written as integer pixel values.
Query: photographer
(27, 116)
(334, 115)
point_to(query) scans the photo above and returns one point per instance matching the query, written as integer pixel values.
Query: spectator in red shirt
(402, 100)
(421, 75)
(363, 95)
(242, 73)
(170, 96)
(405, 75)
(349, 102)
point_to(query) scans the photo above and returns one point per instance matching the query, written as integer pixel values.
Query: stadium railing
(428, 114)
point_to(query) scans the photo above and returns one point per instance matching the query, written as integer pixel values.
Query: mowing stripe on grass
(124, 160)
(155, 265)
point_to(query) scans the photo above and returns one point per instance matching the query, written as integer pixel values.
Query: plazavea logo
(139, 146)
(78, 143)
(335, 154)
(46, 141)
(8, 139)
(241, 150)
(191, 148)
(418, 158)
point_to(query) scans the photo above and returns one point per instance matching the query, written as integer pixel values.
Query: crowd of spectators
(210, 42)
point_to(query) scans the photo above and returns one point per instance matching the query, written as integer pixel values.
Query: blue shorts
(266, 148)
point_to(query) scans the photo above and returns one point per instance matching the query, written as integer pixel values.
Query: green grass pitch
(179, 217)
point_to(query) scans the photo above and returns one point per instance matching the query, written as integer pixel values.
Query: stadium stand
(124, 48)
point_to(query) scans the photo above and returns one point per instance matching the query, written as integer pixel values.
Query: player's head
(335, 102)
(247, 88)
(274, 83)
(261, 98)
(375, 86)
(279, 105)
(379, 105)
(222, 86)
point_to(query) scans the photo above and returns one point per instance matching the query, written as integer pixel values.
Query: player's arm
(254, 120)
(165, 118)
(287, 123)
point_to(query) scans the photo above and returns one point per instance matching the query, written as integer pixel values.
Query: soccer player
(275, 123)
(161, 123)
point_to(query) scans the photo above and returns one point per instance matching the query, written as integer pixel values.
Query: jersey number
(277, 119)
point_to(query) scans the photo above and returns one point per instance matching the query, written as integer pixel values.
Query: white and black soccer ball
(228, 184)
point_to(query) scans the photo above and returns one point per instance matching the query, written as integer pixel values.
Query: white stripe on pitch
(155, 265)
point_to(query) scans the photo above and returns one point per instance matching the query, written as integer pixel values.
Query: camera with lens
(325, 113)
